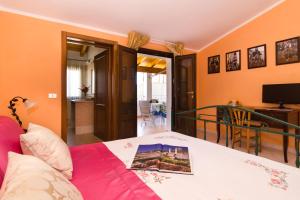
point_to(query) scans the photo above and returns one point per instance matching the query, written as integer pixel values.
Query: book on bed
(162, 157)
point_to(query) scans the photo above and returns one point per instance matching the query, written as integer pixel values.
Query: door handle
(191, 92)
(99, 104)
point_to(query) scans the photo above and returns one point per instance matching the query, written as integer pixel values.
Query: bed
(220, 173)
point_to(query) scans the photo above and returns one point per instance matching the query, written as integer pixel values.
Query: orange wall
(30, 64)
(281, 22)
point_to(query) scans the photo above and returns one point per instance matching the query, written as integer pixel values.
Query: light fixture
(27, 103)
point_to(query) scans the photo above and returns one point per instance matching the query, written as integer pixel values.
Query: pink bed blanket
(99, 174)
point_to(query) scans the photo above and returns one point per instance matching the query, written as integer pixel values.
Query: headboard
(9, 141)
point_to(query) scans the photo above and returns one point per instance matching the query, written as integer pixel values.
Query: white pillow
(49, 147)
(29, 178)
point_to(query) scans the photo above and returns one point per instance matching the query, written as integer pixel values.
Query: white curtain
(74, 80)
(159, 87)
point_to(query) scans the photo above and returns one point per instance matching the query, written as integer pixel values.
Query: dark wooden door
(101, 63)
(184, 91)
(127, 98)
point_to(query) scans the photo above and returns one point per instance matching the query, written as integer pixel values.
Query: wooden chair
(154, 101)
(146, 114)
(243, 118)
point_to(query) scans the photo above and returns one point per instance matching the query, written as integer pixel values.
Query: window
(159, 87)
(92, 82)
(141, 86)
(74, 81)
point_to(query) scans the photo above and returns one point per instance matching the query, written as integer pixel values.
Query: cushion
(9, 141)
(29, 178)
(49, 147)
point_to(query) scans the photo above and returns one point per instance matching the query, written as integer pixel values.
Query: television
(281, 94)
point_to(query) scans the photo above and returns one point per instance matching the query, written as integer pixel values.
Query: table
(156, 107)
(291, 116)
(83, 116)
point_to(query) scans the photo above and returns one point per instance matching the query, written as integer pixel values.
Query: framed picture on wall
(233, 61)
(288, 51)
(257, 56)
(214, 64)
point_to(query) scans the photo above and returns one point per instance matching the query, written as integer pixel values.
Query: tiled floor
(142, 127)
(146, 128)
(74, 140)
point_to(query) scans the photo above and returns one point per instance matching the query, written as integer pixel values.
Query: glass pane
(159, 87)
(141, 86)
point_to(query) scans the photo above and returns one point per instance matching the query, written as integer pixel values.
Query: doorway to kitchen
(85, 97)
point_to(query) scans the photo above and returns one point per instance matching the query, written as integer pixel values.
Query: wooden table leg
(218, 130)
(285, 144)
(297, 132)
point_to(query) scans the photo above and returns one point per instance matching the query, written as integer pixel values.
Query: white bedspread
(220, 173)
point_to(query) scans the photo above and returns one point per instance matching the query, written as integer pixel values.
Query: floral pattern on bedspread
(128, 145)
(151, 177)
(170, 137)
(277, 179)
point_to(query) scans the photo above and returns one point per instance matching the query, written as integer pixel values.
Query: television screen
(281, 93)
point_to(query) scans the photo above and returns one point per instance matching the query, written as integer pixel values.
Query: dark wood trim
(218, 56)
(114, 84)
(276, 50)
(173, 96)
(240, 55)
(156, 53)
(99, 42)
(195, 92)
(151, 70)
(118, 88)
(262, 45)
(64, 114)
(91, 39)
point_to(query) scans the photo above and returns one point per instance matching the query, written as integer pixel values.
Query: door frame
(166, 55)
(112, 48)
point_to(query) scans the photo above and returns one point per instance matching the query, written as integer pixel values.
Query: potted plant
(84, 89)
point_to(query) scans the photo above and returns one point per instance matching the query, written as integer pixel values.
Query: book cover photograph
(165, 158)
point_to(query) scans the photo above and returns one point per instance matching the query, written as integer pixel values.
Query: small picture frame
(288, 51)
(233, 61)
(213, 64)
(257, 56)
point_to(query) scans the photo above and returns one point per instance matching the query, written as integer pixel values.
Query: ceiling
(151, 64)
(82, 49)
(196, 23)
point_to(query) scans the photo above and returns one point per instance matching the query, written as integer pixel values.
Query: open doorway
(115, 90)
(154, 93)
(86, 83)
(81, 61)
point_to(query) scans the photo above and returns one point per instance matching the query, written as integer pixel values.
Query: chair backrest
(144, 107)
(154, 101)
(239, 117)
